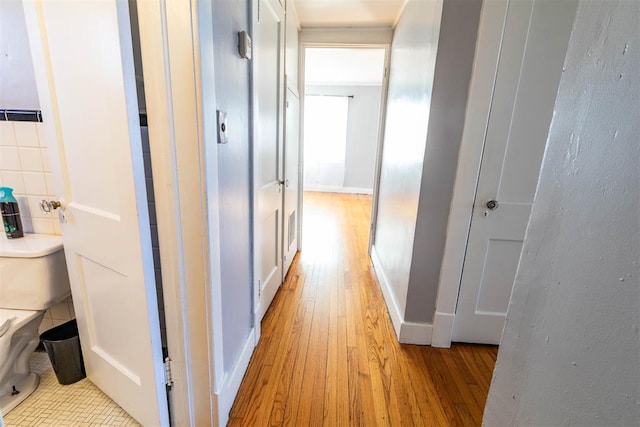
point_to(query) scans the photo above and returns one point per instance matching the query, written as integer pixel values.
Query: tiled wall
(25, 167)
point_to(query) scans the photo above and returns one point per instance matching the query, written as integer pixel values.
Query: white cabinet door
(268, 80)
(534, 45)
(84, 66)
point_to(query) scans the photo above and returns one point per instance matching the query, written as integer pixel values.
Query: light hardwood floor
(328, 354)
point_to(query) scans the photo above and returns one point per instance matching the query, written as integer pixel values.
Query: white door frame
(381, 125)
(186, 202)
(171, 58)
(255, 188)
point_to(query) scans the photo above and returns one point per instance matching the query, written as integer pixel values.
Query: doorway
(344, 99)
(519, 60)
(98, 166)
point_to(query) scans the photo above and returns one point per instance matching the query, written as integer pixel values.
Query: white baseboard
(406, 332)
(415, 333)
(442, 329)
(232, 379)
(387, 293)
(336, 189)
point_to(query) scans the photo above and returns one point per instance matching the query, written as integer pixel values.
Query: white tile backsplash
(26, 134)
(46, 162)
(43, 226)
(7, 134)
(9, 159)
(31, 159)
(25, 167)
(35, 183)
(35, 211)
(16, 180)
(51, 190)
(41, 136)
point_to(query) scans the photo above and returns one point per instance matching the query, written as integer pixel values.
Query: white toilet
(33, 278)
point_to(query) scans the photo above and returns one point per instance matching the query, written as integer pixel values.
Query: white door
(534, 45)
(84, 67)
(268, 80)
(291, 169)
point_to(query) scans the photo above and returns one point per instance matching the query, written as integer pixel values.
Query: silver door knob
(492, 205)
(49, 205)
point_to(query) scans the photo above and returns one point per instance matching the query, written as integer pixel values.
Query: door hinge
(259, 289)
(168, 376)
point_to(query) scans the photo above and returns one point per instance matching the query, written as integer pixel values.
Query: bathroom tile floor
(52, 404)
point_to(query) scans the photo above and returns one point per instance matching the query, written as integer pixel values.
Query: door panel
(268, 79)
(534, 44)
(498, 272)
(84, 67)
(291, 163)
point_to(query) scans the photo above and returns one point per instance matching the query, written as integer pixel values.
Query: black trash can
(63, 347)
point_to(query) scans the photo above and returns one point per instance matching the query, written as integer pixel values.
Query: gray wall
(232, 96)
(413, 61)
(570, 352)
(17, 80)
(362, 131)
(431, 65)
(454, 66)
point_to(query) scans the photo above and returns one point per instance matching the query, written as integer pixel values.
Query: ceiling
(348, 13)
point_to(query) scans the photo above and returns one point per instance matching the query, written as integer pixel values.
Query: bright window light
(325, 140)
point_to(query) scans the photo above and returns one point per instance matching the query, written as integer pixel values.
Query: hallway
(328, 353)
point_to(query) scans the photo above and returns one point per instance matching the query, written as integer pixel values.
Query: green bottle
(10, 214)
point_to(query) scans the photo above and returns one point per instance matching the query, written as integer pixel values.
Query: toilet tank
(33, 272)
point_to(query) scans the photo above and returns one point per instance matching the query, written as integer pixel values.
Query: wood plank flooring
(328, 354)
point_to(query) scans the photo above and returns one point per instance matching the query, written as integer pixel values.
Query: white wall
(454, 68)
(362, 133)
(570, 351)
(18, 83)
(409, 98)
(232, 96)
(292, 47)
(346, 35)
(431, 64)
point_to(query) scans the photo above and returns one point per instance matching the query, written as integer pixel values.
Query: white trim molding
(392, 305)
(406, 332)
(336, 189)
(442, 329)
(170, 47)
(233, 379)
(415, 333)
